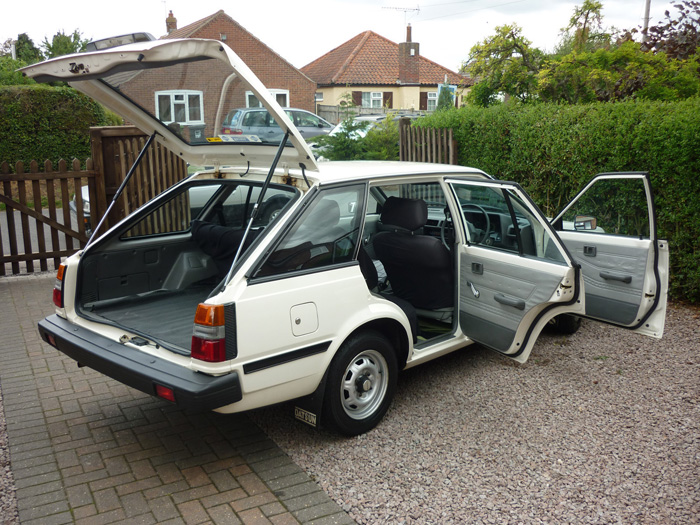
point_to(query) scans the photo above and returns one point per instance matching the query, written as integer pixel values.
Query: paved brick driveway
(87, 449)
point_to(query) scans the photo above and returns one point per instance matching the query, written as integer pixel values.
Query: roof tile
(369, 58)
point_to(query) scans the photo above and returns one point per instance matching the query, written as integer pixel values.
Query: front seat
(419, 267)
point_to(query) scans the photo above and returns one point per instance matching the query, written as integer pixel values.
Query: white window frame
(432, 100)
(372, 99)
(185, 93)
(250, 96)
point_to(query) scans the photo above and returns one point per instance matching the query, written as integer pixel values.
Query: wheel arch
(393, 331)
(308, 409)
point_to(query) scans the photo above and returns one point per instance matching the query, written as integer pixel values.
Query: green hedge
(552, 150)
(42, 122)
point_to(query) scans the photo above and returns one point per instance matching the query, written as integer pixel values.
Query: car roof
(349, 171)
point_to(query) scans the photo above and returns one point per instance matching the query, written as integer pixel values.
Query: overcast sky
(302, 30)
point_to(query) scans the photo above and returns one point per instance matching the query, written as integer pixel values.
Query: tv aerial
(405, 11)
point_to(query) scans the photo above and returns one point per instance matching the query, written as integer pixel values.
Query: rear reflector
(209, 334)
(165, 392)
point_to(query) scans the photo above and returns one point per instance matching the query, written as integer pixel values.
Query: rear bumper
(138, 369)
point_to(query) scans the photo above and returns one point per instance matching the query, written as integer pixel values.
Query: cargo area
(152, 291)
(149, 275)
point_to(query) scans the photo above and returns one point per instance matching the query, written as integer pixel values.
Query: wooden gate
(426, 144)
(114, 150)
(38, 223)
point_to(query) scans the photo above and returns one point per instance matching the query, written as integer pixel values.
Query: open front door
(610, 230)
(515, 275)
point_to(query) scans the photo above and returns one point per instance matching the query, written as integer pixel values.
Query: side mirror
(585, 222)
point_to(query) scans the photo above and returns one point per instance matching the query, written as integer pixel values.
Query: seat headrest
(326, 213)
(409, 214)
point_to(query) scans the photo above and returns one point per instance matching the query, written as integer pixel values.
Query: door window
(612, 207)
(496, 217)
(307, 120)
(325, 234)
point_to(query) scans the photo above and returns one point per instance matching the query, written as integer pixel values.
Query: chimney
(170, 23)
(408, 60)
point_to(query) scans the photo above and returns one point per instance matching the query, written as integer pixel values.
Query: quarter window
(183, 107)
(325, 234)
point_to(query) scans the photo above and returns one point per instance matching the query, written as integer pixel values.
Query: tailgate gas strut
(121, 187)
(254, 213)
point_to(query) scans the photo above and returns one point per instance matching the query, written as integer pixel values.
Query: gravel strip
(8, 500)
(599, 427)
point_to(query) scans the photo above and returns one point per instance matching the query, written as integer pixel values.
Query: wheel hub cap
(364, 384)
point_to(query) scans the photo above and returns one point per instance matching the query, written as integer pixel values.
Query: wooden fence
(37, 224)
(426, 144)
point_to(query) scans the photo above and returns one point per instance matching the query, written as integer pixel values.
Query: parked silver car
(258, 122)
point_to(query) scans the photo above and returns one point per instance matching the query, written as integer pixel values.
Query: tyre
(361, 384)
(567, 324)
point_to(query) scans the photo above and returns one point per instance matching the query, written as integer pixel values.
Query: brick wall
(270, 68)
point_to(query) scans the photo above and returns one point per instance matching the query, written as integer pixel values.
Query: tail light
(232, 131)
(58, 286)
(209, 334)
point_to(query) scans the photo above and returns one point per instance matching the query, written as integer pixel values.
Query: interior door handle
(616, 277)
(510, 301)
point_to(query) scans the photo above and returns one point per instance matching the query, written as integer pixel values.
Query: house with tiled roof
(289, 86)
(379, 73)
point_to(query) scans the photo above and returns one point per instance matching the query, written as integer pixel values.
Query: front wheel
(361, 384)
(567, 324)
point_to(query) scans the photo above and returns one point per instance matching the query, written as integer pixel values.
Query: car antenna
(121, 187)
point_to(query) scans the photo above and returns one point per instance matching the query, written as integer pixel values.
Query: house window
(183, 107)
(432, 100)
(372, 99)
(251, 101)
(280, 95)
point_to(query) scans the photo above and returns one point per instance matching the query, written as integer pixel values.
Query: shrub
(40, 122)
(552, 150)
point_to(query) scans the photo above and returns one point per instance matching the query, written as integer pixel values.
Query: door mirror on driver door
(585, 222)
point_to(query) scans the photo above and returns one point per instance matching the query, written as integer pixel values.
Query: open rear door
(610, 230)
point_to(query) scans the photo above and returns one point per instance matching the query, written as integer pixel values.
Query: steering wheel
(443, 228)
(485, 234)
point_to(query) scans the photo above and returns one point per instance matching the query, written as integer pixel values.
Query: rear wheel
(361, 384)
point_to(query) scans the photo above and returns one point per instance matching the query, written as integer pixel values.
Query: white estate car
(277, 278)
